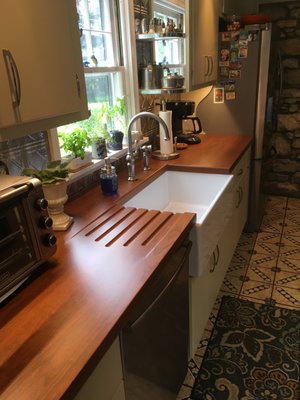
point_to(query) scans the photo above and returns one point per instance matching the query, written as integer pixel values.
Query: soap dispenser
(108, 179)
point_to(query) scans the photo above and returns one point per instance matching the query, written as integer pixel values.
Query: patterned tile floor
(265, 268)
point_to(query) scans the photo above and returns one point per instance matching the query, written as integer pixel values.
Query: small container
(108, 179)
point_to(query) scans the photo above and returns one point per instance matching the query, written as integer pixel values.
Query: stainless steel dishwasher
(155, 342)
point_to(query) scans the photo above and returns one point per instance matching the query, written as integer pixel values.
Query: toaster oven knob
(50, 240)
(41, 204)
(46, 222)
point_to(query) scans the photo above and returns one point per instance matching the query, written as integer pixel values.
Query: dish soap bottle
(108, 179)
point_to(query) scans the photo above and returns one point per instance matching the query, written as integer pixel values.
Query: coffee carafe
(185, 127)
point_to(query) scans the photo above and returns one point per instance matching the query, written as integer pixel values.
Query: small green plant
(114, 116)
(94, 127)
(56, 171)
(75, 142)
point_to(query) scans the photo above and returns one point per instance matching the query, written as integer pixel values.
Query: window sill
(97, 164)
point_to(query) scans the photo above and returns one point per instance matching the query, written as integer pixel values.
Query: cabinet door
(37, 66)
(203, 42)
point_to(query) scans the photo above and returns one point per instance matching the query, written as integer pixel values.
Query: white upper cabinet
(203, 42)
(40, 65)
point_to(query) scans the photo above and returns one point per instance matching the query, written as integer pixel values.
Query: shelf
(160, 36)
(162, 91)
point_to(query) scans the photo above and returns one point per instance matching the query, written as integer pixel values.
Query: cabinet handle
(240, 172)
(211, 65)
(78, 86)
(240, 197)
(216, 257)
(14, 78)
(207, 66)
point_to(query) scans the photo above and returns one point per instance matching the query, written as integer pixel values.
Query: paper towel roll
(166, 146)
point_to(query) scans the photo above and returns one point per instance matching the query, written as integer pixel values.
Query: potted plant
(76, 143)
(115, 117)
(97, 132)
(54, 182)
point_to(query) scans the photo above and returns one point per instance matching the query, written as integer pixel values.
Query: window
(173, 52)
(107, 71)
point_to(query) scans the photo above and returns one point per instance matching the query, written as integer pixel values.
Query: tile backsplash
(28, 151)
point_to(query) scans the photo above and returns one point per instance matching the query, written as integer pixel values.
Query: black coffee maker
(181, 113)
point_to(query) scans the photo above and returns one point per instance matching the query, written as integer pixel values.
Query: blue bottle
(108, 179)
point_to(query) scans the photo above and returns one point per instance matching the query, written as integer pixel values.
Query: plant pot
(116, 140)
(99, 148)
(75, 164)
(56, 195)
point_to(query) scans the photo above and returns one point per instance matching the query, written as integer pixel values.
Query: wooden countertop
(56, 329)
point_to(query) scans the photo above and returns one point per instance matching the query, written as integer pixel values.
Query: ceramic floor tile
(286, 296)
(290, 241)
(271, 225)
(247, 241)
(291, 229)
(265, 247)
(268, 237)
(232, 284)
(276, 202)
(292, 252)
(237, 269)
(293, 203)
(258, 273)
(264, 260)
(256, 290)
(289, 265)
(287, 279)
(241, 257)
(184, 393)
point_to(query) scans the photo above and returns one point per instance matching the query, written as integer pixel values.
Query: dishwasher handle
(188, 246)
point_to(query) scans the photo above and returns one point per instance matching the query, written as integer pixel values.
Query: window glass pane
(97, 34)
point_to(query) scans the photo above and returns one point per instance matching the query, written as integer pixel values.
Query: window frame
(127, 68)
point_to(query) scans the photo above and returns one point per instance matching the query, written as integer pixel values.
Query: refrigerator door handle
(262, 93)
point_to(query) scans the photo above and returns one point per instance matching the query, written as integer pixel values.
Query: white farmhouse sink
(207, 195)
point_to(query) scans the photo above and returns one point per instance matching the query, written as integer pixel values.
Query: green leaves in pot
(56, 171)
(75, 142)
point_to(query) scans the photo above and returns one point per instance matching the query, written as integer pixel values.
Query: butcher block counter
(56, 329)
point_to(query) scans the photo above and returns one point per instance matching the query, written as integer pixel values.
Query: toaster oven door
(18, 254)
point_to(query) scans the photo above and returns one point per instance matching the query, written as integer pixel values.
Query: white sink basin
(207, 195)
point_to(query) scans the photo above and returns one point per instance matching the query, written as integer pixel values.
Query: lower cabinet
(106, 381)
(203, 290)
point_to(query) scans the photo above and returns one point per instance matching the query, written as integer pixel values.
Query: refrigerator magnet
(218, 95)
(243, 43)
(230, 96)
(224, 52)
(252, 36)
(235, 74)
(233, 55)
(243, 52)
(224, 72)
(243, 35)
(235, 65)
(235, 35)
(225, 36)
(223, 63)
(229, 86)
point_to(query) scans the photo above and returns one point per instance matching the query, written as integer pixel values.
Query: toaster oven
(26, 236)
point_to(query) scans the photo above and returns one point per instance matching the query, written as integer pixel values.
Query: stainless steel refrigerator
(245, 111)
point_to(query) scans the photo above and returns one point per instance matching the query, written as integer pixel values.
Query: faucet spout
(130, 158)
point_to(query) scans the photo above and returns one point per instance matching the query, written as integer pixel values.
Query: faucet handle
(146, 150)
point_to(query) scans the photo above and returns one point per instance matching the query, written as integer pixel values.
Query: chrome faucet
(130, 158)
